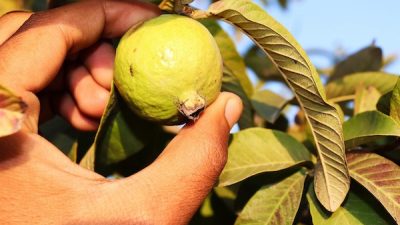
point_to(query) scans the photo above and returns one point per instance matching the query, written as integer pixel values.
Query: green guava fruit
(168, 69)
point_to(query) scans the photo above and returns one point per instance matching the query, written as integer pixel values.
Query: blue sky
(348, 25)
(340, 24)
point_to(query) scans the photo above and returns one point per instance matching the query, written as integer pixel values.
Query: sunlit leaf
(395, 103)
(332, 179)
(355, 211)
(206, 209)
(361, 128)
(231, 84)
(366, 99)
(73, 153)
(367, 59)
(230, 55)
(379, 176)
(88, 159)
(389, 60)
(274, 204)
(346, 86)
(258, 150)
(268, 105)
(12, 112)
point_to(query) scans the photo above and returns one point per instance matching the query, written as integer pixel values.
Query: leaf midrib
(286, 193)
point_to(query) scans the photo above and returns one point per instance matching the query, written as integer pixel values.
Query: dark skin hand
(40, 185)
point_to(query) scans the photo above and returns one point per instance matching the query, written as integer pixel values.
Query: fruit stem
(195, 13)
(182, 7)
(192, 106)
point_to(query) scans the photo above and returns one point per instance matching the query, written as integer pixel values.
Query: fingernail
(232, 113)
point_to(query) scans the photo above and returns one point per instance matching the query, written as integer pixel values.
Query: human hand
(40, 185)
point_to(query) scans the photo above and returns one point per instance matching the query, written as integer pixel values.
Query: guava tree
(337, 163)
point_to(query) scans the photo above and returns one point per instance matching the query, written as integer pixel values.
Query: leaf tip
(330, 203)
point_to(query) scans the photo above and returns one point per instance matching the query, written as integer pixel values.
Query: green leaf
(60, 133)
(121, 133)
(395, 103)
(213, 212)
(366, 99)
(355, 211)
(383, 104)
(206, 209)
(256, 150)
(73, 153)
(230, 55)
(274, 204)
(361, 128)
(367, 59)
(268, 105)
(88, 159)
(256, 60)
(389, 60)
(37, 5)
(347, 86)
(230, 83)
(281, 123)
(379, 176)
(12, 112)
(227, 195)
(332, 180)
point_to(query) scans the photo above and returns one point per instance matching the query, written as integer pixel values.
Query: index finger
(31, 58)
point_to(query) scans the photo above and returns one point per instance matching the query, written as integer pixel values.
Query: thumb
(197, 155)
(185, 172)
(203, 144)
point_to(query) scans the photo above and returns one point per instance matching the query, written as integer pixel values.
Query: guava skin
(168, 69)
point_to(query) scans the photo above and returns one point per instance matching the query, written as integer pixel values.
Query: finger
(10, 23)
(185, 172)
(42, 180)
(39, 47)
(22, 146)
(100, 62)
(90, 97)
(71, 113)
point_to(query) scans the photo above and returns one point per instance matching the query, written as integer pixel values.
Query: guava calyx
(192, 107)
